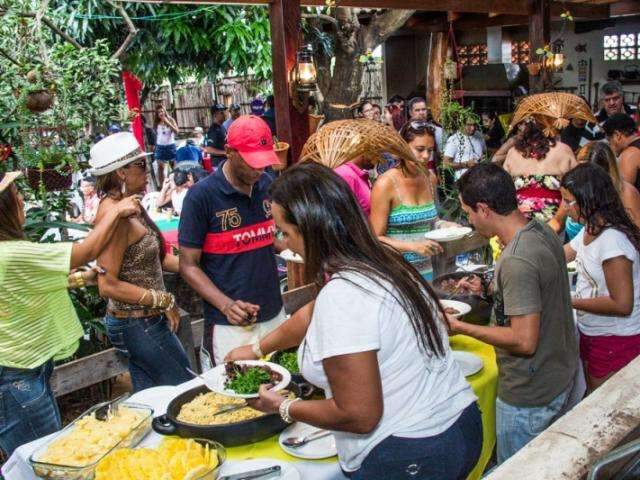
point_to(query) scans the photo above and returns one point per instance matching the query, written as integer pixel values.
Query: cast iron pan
(229, 435)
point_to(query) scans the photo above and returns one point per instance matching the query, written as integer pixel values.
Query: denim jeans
(517, 426)
(156, 356)
(28, 409)
(450, 455)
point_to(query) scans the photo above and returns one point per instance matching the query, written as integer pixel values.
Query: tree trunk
(345, 88)
(342, 88)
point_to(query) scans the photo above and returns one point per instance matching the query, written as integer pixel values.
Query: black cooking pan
(229, 435)
(480, 313)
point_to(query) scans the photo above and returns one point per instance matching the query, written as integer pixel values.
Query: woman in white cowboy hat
(141, 316)
(38, 323)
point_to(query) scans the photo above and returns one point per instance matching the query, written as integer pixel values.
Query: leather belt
(134, 313)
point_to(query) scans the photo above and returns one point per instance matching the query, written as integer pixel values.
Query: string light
(148, 18)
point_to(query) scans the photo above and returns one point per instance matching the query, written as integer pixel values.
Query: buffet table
(484, 384)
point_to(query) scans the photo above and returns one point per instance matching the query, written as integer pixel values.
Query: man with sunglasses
(226, 238)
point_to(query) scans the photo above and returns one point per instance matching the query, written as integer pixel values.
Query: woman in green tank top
(38, 323)
(403, 201)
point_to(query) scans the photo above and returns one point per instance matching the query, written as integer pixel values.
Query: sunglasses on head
(421, 126)
(140, 164)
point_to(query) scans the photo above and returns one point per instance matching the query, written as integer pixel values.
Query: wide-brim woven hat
(552, 110)
(341, 141)
(114, 152)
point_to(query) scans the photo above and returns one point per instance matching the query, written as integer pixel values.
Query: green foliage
(176, 42)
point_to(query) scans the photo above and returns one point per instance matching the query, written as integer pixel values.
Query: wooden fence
(190, 103)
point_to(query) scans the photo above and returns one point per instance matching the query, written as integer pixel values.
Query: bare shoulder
(106, 204)
(384, 183)
(629, 191)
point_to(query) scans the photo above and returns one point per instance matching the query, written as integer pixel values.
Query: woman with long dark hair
(403, 201)
(376, 343)
(607, 254)
(38, 323)
(537, 163)
(141, 316)
(599, 153)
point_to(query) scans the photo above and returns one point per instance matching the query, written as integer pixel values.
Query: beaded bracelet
(284, 409)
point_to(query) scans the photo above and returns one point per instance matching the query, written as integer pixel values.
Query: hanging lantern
(557, 57)
(305, 75)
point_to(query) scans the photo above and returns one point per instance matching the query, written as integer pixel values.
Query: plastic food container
(222, 456)
(52, 471)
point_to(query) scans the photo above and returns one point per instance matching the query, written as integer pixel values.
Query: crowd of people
(375, 339)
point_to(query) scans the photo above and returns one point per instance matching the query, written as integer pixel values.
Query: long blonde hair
(601, 154)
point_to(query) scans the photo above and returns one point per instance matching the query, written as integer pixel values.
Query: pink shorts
(608, 354)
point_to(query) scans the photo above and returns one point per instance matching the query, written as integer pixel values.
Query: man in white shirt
(464, 149)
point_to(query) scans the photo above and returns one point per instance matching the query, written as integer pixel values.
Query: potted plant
(38, 90)
(49, 167)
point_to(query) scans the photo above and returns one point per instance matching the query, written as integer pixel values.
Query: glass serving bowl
(53, 471)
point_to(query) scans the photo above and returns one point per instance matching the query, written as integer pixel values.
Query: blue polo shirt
(235, 233)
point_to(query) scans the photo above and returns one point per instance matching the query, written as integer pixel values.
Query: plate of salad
(242, 378)
(287, 359)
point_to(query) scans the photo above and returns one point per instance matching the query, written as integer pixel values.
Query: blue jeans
(28, 409)
(517, 426)
(450, 455)
(156, 356)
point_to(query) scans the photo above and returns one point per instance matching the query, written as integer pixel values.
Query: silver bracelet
(284, 409)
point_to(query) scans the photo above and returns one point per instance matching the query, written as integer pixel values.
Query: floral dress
(538, 195)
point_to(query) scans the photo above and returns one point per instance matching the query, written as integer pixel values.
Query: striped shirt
(37, 319)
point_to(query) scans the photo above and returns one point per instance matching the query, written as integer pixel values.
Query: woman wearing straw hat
(403, 201)
(141, 315)
(38, 323)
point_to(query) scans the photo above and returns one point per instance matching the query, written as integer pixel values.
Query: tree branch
(6, 54)
(53, 27)
(382, 26)
(132, 29)
(320, 16)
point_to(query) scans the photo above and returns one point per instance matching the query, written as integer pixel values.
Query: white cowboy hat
(114, 152)
(7, 179)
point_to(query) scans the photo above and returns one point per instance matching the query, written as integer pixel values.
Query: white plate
(448, 234)
(314, 450)
(469, 362)
(462, 307)
(289, 256)
(157, 398)
(216, 377)
(288, 471)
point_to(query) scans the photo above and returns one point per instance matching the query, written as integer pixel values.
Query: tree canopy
(175, 42)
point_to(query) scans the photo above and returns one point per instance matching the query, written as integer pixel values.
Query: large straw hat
(552, 110)
(338, 142)
(114, 152)
(7, 179)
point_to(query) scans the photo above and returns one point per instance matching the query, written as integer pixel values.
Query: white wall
(594, 40)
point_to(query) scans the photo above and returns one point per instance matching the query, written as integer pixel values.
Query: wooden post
(539, 36)
(292, 126)
(435, 80)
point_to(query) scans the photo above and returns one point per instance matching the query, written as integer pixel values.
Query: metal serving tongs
(108, 410)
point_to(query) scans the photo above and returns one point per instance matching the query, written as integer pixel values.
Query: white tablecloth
(17, 466)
